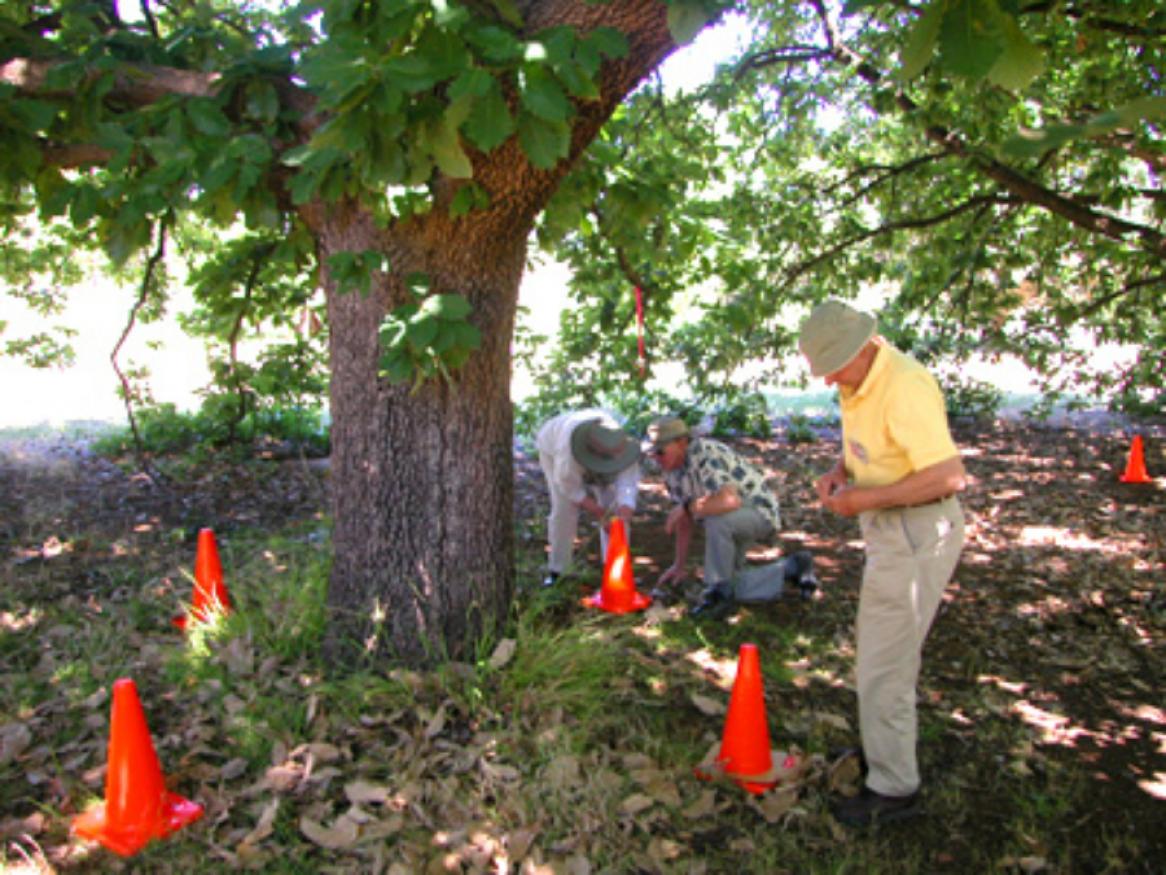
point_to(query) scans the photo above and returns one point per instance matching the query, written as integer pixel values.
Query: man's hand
(594, 508)
(673, 575)
(845, 501)
(830, 483)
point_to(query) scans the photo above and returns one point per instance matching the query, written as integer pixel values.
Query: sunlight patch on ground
(1066, 538)
(725, 670)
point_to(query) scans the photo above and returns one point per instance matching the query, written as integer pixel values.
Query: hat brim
(839, 356)
(601, 464)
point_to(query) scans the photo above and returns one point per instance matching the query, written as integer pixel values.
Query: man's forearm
(929, 484)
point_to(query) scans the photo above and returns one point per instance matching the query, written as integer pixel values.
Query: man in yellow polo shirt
(899, 473)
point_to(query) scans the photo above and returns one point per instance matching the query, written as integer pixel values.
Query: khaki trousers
(910, 556)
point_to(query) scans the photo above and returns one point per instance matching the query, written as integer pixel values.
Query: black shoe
(869, 807)
(799, 569)
(552, 578)
(715, 604)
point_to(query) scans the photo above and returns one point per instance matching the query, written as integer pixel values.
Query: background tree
(993, 168)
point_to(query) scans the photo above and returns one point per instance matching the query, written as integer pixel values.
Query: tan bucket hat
(666, 429)
(603, 450)
(833, 334)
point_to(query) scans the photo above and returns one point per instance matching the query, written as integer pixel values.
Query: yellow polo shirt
(895, 423)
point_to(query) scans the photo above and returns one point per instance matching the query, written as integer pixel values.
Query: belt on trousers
(939, 500)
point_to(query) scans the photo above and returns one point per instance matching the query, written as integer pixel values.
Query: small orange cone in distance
(618, 593)
(137, 808)
(1135, 471)
(745, 743)
(210, 593)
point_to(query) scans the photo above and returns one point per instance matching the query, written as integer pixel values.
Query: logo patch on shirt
(858, 451)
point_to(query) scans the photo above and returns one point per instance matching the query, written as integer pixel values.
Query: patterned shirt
(710, 465)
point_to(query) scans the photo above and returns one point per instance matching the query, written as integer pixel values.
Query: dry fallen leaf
(705, 705)
(518, 844)
(263, 828)
(503, 653)
(636, 803)
(14, 740)
(362, 792)
(342, 834)
(775, 805)
(704, 805)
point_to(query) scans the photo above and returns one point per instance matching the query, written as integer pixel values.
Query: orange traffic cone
(210, 593)
(1135, 471)
(618, 593)
(138, 808)
(745, 743)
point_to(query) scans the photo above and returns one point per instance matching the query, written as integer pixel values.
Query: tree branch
(902, 225)
(1128, 288)
(1011, 180)
(127, 390)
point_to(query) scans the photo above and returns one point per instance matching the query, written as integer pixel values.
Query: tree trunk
(422, 480)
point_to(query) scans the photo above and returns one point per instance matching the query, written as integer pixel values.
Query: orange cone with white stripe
(618, 593)
(138, 808)
(210, 592)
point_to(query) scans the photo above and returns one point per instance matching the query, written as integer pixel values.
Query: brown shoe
(869, 807)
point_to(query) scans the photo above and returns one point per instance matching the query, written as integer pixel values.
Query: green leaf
(468, 198)
(577, 81)
(971, 37)
(417, 283)
(920, 43)
(207, 118)
(448, 307)
(473, 83)
(448, 154)
(396, 368)
(421, 331)
(544, 142)
(494, 43)
(85, 203)
(1143, 108)
(261, 101)
(685, 20)
(1031, 143)
(608, 41)
(542, 95)
(37, 115)
(508, 11)
(1020, 62)
(489, 122)
(411, 73)
(853, 6)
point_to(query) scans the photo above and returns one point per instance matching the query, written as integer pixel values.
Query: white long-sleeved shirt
(568, 476)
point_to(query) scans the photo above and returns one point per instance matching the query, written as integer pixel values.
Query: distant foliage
(970, 398)
(165, 430)
(746, 415)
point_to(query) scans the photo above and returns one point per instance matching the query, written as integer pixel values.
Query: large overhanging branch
(134, 84)
(644, 23)
(1011, 180)
(915, 224)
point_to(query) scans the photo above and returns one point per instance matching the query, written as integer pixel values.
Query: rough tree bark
(422, 481)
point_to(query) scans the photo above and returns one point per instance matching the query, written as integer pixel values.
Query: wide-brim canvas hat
(666, 429)
(603, 450)
(833, 334)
